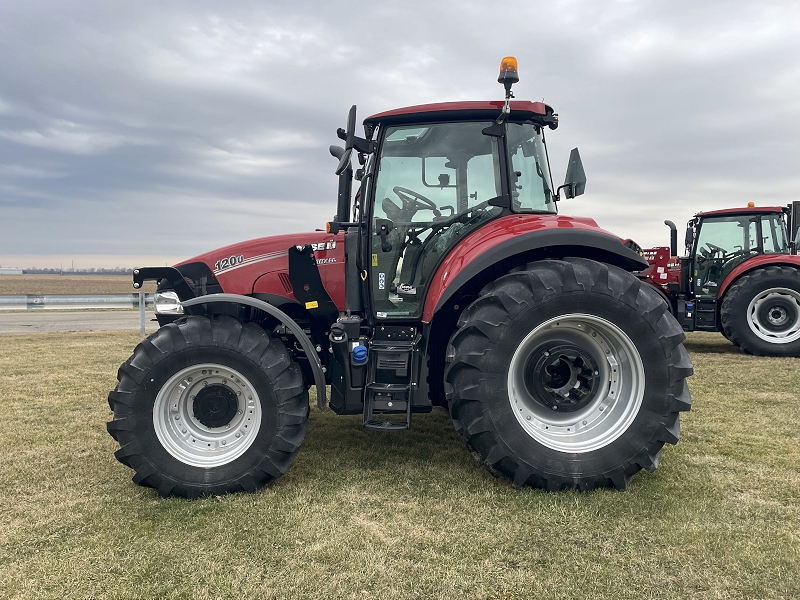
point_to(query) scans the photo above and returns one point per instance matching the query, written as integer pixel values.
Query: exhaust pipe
(673, 237)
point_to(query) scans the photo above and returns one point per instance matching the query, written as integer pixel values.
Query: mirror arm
(569, 193)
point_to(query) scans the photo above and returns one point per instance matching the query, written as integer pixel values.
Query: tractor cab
(437, 182)
(719, 241)
(430, 176)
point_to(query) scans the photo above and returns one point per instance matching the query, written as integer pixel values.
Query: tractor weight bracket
(297, 331)
(171, 274)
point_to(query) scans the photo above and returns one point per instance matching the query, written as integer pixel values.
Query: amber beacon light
(509, 74)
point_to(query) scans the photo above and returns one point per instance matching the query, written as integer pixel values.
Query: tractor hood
(261, 265)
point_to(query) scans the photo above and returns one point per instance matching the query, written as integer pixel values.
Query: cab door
(432, 187)
(722, 244)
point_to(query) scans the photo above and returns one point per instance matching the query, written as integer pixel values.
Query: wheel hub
(207, 415)
(561, 377)
(575, 383)
(215, 405)
(774, 315)
(777, 316)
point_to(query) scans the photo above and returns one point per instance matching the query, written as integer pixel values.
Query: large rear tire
(568, 374)
(760, 313)
(208, 406)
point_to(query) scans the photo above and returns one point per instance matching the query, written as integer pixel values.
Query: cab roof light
(509, 75)
(751, 204)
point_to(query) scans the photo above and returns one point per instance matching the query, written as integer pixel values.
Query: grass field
(69, 284)
(365, 514)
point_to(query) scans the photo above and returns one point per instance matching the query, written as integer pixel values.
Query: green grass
(366, 514)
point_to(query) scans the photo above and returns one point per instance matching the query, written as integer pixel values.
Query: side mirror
(796, 242)
(348, 136)
(336, 151)
(575, 180)
(689, 240)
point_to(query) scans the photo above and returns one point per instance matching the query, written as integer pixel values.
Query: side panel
(758, 261)
(515, 234)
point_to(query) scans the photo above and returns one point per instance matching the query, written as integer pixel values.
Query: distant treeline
(91, 271)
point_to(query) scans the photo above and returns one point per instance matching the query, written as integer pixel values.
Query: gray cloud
(169, 129)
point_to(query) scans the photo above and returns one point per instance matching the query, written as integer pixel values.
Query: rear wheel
(760, 313)
(208, 406)
(568, 374)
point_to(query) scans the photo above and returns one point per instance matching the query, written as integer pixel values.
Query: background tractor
(740, 276)
(450, 280)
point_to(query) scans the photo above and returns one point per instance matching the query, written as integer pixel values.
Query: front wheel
(760, 313)
(568, 374)
(208, 406)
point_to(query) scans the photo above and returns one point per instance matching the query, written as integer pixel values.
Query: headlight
(167, 303)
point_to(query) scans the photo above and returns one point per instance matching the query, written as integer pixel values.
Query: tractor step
(391, 378)
(387, 425)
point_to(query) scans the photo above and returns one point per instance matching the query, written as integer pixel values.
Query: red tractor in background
(740, 276)
(450, 281)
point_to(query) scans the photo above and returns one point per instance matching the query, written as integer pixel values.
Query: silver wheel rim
(617, 376)
(774, 315)
(183, 434)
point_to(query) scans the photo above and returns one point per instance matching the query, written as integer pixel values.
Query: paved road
(57, 321)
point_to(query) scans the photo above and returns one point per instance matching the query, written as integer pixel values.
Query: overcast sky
(143, 132)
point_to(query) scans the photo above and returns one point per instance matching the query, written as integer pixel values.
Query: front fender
(305, 343)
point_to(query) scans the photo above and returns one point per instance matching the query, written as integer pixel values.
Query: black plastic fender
(305, 343)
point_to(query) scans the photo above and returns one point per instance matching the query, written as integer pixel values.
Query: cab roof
(521, 110)
(745, 210)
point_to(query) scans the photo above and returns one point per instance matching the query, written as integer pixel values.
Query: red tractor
(450, 280)
(740, 276)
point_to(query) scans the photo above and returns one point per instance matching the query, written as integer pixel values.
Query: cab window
(531, 187)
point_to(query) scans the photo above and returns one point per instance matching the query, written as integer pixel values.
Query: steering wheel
(714, 248)
(414, 200)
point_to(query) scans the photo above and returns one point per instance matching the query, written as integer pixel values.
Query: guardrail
(68, 302)
(138, 300)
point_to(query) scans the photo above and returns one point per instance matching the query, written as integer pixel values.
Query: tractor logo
(329, 245)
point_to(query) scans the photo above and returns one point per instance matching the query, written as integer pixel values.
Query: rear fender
(763, 260)
(291, 325)
(476, 255)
